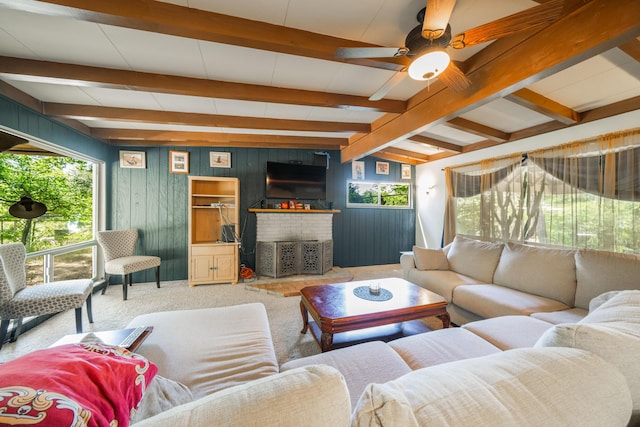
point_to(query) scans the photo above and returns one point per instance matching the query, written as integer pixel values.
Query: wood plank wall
(155, 201)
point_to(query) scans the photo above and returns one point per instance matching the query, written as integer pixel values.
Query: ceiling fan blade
(436, 18)
(527, 19)
(454, 78)
(370, 52)
(388, 85)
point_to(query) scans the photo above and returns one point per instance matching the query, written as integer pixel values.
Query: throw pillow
(430, 259)
(76, 384)
(161, 395)
(474, 258)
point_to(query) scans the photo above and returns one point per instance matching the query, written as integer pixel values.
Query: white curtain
(593, 193)
(583, 194)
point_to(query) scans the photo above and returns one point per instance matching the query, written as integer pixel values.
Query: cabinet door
(202, 268)
(224, 267)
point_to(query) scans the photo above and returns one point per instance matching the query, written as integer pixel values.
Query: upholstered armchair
(17, 300)
(118, 247)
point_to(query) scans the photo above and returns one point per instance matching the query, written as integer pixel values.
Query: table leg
(326, 341)
(446, 320)
(305, 318)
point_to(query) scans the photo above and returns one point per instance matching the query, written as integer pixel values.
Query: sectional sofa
(481, 280)
(581, 374)
(217, 366)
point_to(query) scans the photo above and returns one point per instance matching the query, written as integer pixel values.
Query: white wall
(430, 207)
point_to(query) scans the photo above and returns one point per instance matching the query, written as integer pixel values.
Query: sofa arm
(315, 395)
(407, 262)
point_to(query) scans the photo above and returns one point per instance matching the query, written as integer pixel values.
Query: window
(59, 243)
(378, 194)
(579, 195)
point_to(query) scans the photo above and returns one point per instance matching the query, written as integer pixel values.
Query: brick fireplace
(293, 241)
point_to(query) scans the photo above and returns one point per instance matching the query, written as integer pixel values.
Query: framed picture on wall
(382, 168)
(133, 159)
(357, 170)
(178, 161)
(218, 159)
(406, 171)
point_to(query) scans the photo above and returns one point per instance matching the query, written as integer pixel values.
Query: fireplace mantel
(296, 211)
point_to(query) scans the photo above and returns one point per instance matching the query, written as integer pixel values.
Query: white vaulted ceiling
(274, 82)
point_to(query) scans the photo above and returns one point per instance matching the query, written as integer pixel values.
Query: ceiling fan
(427, 42)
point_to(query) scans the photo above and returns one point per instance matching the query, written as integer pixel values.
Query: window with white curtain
(582, 195)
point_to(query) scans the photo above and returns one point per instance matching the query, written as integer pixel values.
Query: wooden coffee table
(336, 309)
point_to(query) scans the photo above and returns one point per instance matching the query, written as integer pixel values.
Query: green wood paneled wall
(155, 201)
(18, 117)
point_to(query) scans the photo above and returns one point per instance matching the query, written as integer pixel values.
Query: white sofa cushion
(571, 315)
(508, 332)
(611, 331)
(440, 281)
(430, 259)
(441, 346)
(474, 258)
(211, 348)
(595, 270)
(492, 301)
(316, 394)
(550, 273)
(524, 387)
(370, 362)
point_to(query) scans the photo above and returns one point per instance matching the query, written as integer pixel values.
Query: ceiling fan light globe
(429, 65)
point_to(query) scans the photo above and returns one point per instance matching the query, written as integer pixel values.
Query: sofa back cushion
(532, 387)
(546, 272)
(430, 259)
(474, 258)
(611, 331)
(599, 271)
(313, 396)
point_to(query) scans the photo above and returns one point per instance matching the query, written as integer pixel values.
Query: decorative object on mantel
(178, 161)
(218, 159)
(382, 168)
(133, 159)
(285, 210)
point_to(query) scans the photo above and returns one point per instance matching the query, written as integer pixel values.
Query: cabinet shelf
(213, 254)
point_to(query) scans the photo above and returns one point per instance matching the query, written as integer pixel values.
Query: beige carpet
(111, 312)
(290, 286)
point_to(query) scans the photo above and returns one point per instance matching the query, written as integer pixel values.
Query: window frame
(379, 204)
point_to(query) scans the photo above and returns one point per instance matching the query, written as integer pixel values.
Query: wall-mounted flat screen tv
(296, 181)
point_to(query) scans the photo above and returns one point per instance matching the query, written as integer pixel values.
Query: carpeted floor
(290, 286)
(111, 312)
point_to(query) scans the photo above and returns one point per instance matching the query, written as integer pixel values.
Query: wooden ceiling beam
(477, 129)
(82, 75)
(139, 135)
(166, 18)
(403, 156)
(226, 144)
(599, 113)
(632, 48)
(543, 105)
(564, 43)
(90, 112)
(436, 143)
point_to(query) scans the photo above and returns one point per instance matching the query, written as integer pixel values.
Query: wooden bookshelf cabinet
(214, 206)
